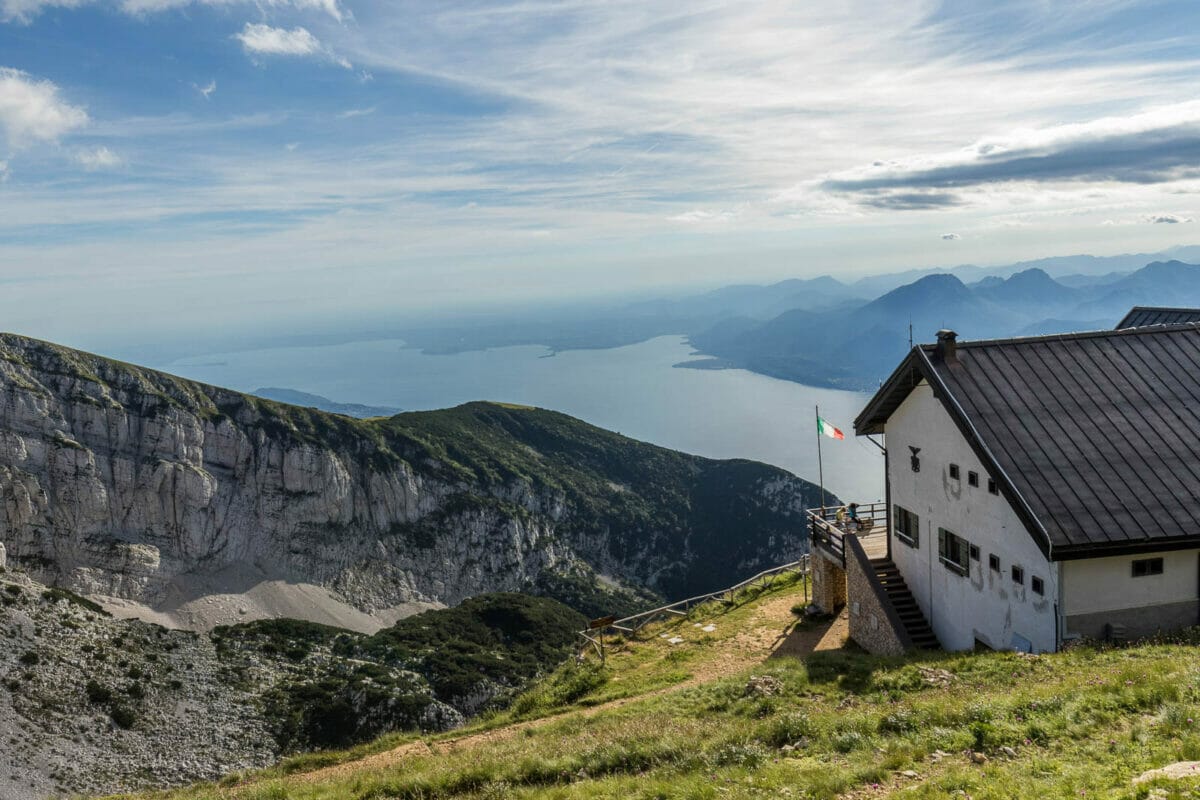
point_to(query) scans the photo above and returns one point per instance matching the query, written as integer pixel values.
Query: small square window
(1037, 585)
(994, 561)
(1147, 566)
(1018, 575)
(972, 478)
(992, 487)
(974, 552)
(954, 471)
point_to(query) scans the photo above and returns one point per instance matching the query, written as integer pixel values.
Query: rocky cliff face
(121, 481)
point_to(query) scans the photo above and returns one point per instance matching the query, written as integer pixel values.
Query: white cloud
(950, 237)
(24, 11)
(331, 7)
(259, 38)
(98, 158)
(356, 112)
(33, 110)
(207, 90)
(699, 216)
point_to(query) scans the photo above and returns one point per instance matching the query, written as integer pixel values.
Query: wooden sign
(603, 622)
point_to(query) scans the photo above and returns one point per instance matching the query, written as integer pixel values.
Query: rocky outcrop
(117, 480)
(91, 704)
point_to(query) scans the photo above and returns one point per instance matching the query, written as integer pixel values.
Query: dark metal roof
(1141, 316)
(1094, 438)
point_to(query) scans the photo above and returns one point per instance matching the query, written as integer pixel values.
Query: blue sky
(170, 165)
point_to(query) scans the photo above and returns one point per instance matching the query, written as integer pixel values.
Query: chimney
(947, 346)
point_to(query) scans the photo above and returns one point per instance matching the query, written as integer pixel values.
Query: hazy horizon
(171, 167)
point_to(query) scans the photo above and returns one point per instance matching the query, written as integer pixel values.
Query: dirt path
(771, 632)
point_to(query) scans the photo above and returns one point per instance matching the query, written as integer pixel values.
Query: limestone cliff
(121, 481)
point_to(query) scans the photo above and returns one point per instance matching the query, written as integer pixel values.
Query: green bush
(123, 716)
(98, 694)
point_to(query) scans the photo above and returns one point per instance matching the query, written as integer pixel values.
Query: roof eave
(874, 416)
(1080, 552)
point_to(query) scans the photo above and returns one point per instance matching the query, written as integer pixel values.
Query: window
(1038, 586)
(908, 527)
(1018, 575)
(992, 487)
(1147, 566)
(972, 478)
(954, 472)
(994, 561)
(953, 550)
(974, 553)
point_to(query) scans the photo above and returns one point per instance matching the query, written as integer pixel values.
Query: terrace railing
(828, 534)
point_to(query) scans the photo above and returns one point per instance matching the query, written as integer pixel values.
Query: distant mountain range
(750, 325)
(857, 347)
(316, 401)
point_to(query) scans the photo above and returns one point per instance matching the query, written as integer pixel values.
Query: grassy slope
(675, 721)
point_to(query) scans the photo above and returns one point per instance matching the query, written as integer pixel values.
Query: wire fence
(593, 637)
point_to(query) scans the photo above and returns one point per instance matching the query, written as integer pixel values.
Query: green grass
(1082, 724)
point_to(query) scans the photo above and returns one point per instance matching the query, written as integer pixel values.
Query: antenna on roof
(910, 333)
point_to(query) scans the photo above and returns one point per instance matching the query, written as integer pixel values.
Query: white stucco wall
(985, 604)
(1107, 584)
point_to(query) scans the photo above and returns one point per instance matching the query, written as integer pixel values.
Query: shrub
(97, 693)
(29, 658)
(123, 716)
(899, 721)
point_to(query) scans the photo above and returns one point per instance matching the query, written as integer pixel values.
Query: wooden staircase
(904, 604)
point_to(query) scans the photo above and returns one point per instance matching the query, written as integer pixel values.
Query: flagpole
(820, 464)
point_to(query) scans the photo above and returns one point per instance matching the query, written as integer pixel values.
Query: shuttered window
(954, 551)
(908, 527)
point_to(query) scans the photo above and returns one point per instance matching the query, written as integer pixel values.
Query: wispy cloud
(1167, 219)
(33, 110)
(630, 129)
(98, 158)
(24, 11)
(950, 237)
(207, 90)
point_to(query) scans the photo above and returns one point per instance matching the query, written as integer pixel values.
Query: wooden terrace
(828, 535)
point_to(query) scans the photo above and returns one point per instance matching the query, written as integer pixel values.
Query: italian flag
(825, 428)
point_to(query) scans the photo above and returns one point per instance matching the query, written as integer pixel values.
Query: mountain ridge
(124, 482)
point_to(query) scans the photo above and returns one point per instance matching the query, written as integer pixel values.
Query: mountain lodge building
(1039, 490)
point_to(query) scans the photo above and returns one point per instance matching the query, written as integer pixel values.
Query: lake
(635, 390)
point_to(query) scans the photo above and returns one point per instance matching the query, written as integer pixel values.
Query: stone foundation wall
(874, 624)
(829, 582)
